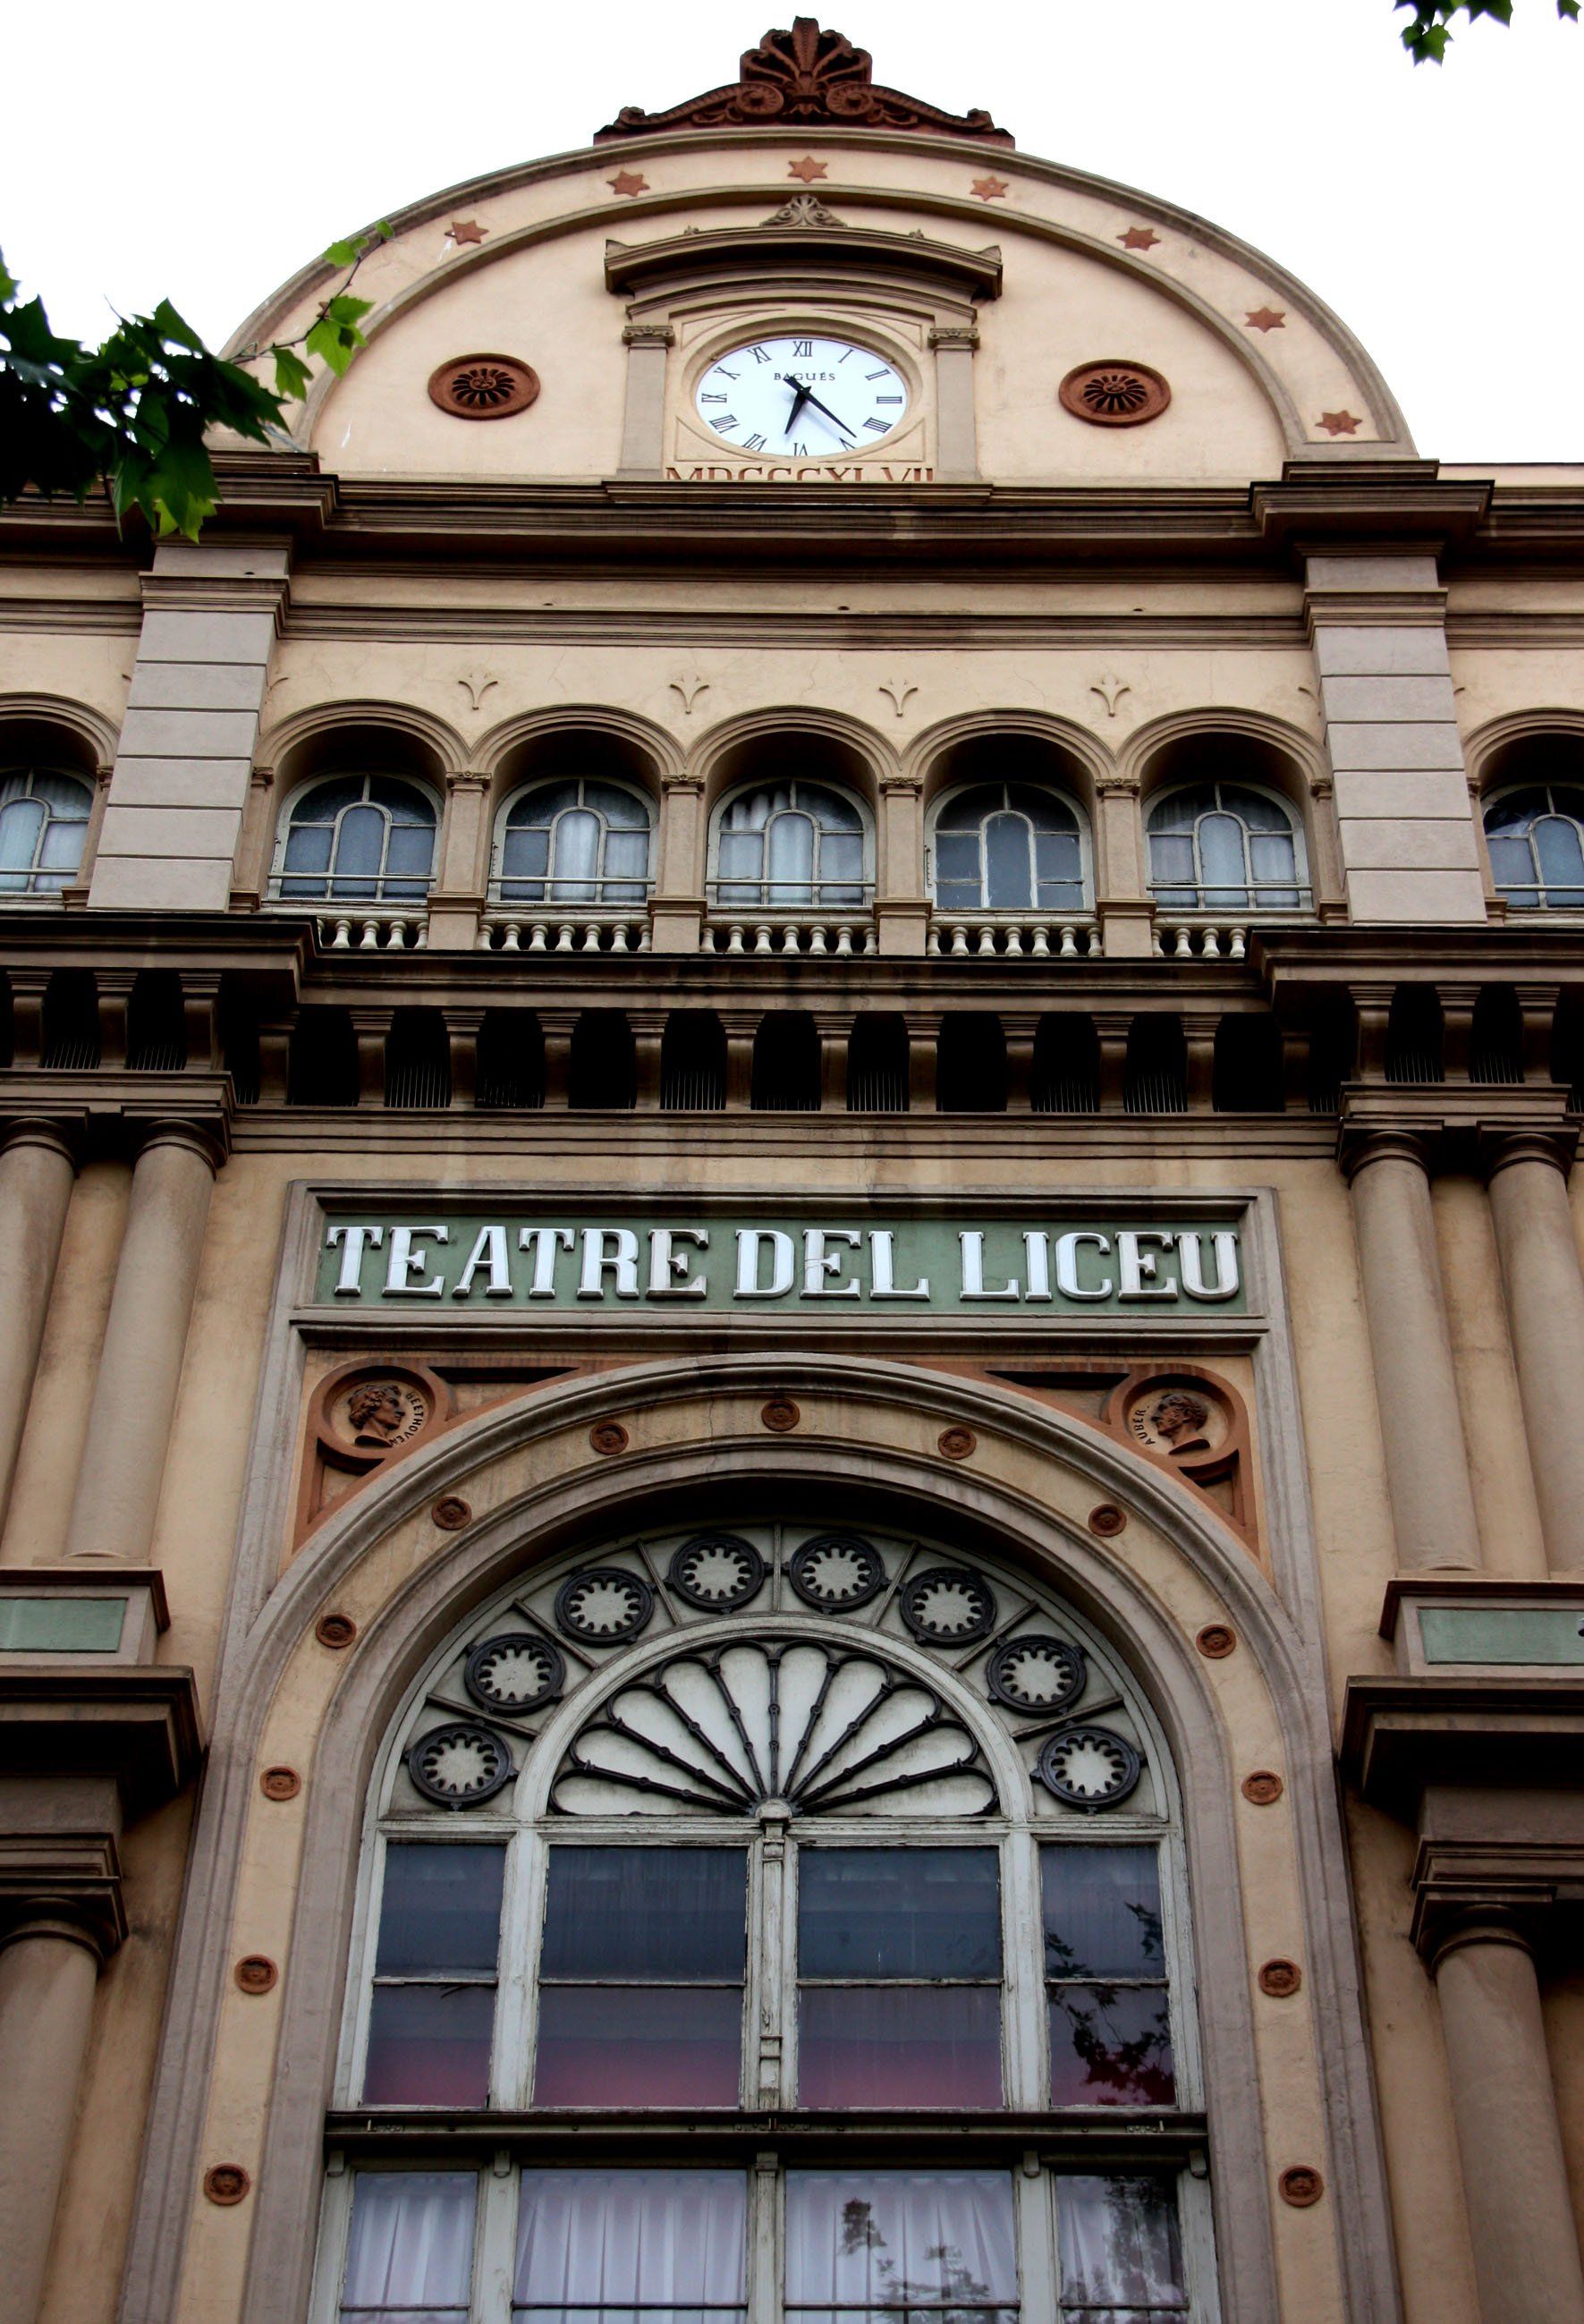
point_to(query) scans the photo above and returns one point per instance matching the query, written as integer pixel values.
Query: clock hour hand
(798, 401)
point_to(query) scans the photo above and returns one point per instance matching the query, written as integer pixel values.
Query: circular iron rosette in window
(716, 1573)
(484, 387)
(1036, 1673)
(603, 1606)
(949, 1606)
(1088, 1767)
(459, 1766)
(1116, 393)
(836, 1572)
(518, 1671)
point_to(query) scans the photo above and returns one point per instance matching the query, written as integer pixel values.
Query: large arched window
(773, 1818)
(576, 842)
(791, 846)
(43, 824)
(1225, 847)
(1008, 847)
(1536, 841)
(363, 839)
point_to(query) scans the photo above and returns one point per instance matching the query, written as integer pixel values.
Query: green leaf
(292, 375)
(348, 310)
(342, 253)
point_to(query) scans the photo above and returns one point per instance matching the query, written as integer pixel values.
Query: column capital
(1438, 1933)
(1359, 1145)
(1501, 1148)
(196, 1137)
(38, 1130)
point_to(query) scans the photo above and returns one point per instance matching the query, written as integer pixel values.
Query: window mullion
(522, 1914)
(764, 2045)
(1038, 2279)
(495, 2262)
(335, 2227)
(1024, 2033)
(766, 2229)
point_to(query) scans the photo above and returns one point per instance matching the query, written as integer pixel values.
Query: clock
(806, 397)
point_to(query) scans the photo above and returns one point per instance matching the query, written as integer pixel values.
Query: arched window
(1223, 847)
(769, 1817)
(43, 823)
(791, 846)
(363, 839)
(1008, 847)
(1537, 841)
(574, 842)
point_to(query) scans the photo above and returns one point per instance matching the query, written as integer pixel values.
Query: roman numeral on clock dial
(801, 399)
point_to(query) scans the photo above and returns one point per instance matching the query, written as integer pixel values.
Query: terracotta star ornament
(990, 189)
(809, 169)
(466, 230)
(627, 181)
(1267, 318)
(1138, 237)
(1341, 423)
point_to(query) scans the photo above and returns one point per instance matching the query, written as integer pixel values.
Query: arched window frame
(1210, 894)
(37, 876)
(384, 890)
(1537, 894)
(825, 892)
(603, 890)
(942, 807)
(520, 1818)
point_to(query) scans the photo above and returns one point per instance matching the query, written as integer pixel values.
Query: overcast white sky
(202, 151)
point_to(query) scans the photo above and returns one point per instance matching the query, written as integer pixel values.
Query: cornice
(1401, 1735)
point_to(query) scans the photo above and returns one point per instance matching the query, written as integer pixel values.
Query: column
(48, 1972)
(1125, 907)
(456, 902)
(145, 1338)
(1545, 1323)
(1421, 1430)
(677, 909)
(1515, 2179)
(956, 436)
(901, 913)
(36, 1176)
(644, 420)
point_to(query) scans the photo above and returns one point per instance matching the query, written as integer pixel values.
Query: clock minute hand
(830, 415)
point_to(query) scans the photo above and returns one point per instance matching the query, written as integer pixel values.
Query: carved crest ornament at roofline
(801, 78)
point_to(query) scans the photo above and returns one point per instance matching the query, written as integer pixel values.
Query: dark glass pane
(411, 850)
(833, 812)
(789, 859)
(640, 2045)
(957, 859)
(359, 842)
(1171, 862)
(1110, 2045)
(21, 824)
(643, 1914)
(617, 806)
(409, 2253)
(402, 802)
(900, 2045)
(1252, 808)
(1007, 876)
(1044, 810)
(604, 2244)
(1183, 810)
(899, 1912)
(1058, 862)
(1512, 867)
(882, 2239)
(307, 847)
(969, 809)
(1561, 862)
(440, 1909)
(324, 804)
(542, 806)
(429, 2045)
(525, 854)
(1120, 2246)
(1102, 1911)
(1516, 811)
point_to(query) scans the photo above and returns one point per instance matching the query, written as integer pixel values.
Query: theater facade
(793, 1499)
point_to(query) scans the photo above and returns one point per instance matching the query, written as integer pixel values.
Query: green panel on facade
(1503, 1634)
(61, 1625)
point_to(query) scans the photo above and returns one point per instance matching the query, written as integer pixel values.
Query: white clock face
(808, 398)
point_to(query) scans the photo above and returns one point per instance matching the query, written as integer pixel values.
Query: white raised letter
(667, 1268)
(750, 1240)
(351, 1239)
(405, 1263)
(818, 1262)
(1067, 1283)
(882, 1268)
(1138, 1267)
(489, 1250)
(1036, 1244)
(598, 1261)
(1227, 1280)
(546, 1243)
(972, 1241)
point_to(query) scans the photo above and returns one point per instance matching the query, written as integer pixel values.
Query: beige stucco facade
(1291, 1139)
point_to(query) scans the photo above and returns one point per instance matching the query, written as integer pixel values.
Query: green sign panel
(741, 1265)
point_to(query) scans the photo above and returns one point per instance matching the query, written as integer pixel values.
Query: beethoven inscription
(728, 1264)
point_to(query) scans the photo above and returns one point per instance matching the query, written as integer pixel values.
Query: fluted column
(48, 1971)
(1416, 1390)
(1545, 1324)
(37, 1171)
(1515, 2177)
(145, 1338)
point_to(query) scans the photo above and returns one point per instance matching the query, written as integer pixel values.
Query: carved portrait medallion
(1178, 1420)
(374, 1415)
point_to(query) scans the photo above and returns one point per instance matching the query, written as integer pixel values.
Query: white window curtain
(1121, 2255)
(942, 2241)
(603, 2246)
(410, 2255)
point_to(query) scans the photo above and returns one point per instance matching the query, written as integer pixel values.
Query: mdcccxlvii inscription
(722, 1264)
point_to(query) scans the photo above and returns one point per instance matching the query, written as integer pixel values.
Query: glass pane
(408, 861)
(640, 2045)
(400, 801)
(789, 859)
(900, 2045)
(1058, 859)
(830, 809)
(1120, 2246)
(576, 859)
(1561, 862)
(429, 2045)
(668, 1915)
(611, 2241)
(324, 804)
(1171, 865)
(440, 1909)
(957, 859)
(525, 854)
(1102, 1912)
(1009, 880)
(539, 808)
(1220, 855)
(899, 1912)
(1110, 2045)
(969, 809)
(627, 855)
(1512, 867)
(883, 2240)
(410, 2254)
(841, 858)
(740, 854)
(617, 806)
(307, 847)
(62, 848)
(1183, 810)
(359, 842)
(1254, 809)
(63, 795)
(21, 824)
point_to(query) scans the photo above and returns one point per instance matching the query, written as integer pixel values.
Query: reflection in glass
(433, 2000)
(900, 2045)
(641, 1976)
(1106, 1980)
(920, 2243)
(1536, 841)
(1121, 2254)
(611, 2246)
(409, 2252)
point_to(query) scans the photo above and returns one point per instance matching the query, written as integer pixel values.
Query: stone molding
(1402, 1736)
(62, 1883)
